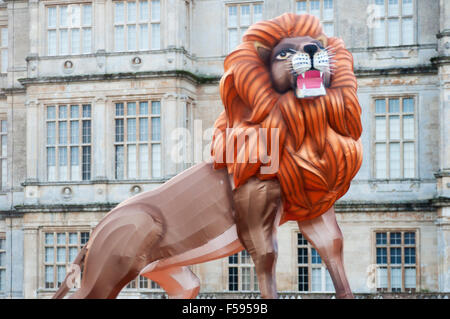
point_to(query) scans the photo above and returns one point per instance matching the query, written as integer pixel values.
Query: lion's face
(302, 64)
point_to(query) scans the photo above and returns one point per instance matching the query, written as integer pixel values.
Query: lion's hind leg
(118, 250)
(179, 282)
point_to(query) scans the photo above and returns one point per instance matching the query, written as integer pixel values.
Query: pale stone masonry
(403, 186)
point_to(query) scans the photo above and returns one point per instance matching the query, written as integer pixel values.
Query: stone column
(168, 125)
(31, 265)
(14, 257)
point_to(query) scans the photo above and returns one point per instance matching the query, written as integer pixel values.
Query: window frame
(386, 18)
(55, 263)
(137, 23)
(57, 145)
(387, 141)
(417, 246)
(254, 284)
(238, 27)
(57, 28)
(4, 69)
(310, 266)
(321, 18)
(150, 142)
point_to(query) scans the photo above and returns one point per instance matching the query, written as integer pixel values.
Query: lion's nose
(310, 49)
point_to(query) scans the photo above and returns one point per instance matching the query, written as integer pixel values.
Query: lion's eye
(283, 55)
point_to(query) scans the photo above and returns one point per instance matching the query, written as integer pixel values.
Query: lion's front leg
(256, 205)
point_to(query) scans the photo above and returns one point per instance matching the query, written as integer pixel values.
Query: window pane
(394, 127)
(232, 39)
(131, 10)
(315, 258)
(61, 238)
(395, 238)
(131, 108)
(63, 172)
(119, 12)
(86, 110)
(156, 36)
(156, 10)
(233, 259)
(84, 237)
(62, 112)
(410, 238)
(232, 16)
(143, 129)
(328, 28)
(328, 9)
(393, 8)
(394, 106)
(61, 274)
(156, 128)
(379, 34)
(49, 277)
(408, 105)
(73, 238)
(4, 37)
(72, 254)
(245, 15)
(119, 38)
(51, 162)
(61, 255)
(408, 160)
(119, 162)
(315, 8)
(86, 164)
(4, 61)
(86, 131)
(396, 279)
(4, 142)
(394, 32)
(407, 7)
(382, 279)
(131, 157)
(245, 257)
(87, 41)
(143, 161)
(119, 130)
(245, 279)
(232, 279)
(257, 12)
(4, 125)
(381, 238)
(74, 111)
(87, 15)
(380, 128)
(49, 254)
(396, 256)
(143, 108)
(410, 255)
(63, 20)
(381, 255)
(131, 37)
(63, 132)
(74, 132)
(143, 11)
(380, 106)
(408, 126)
(143, 37)
(75, 15)
(407, 31)
(75, 41)
(380, 160)
(410, 277)
(49, 238)
(51, 35)
(303, 255)
(301, 7)
(74, 163)
(51, 23)
(119, 109)
(156, 160)
(51, 133)
(316, 279)
(64, 42)
(156, 107)
(301, 240)
(394, 160)
(131, 130)
(303, 278)
(328, 281)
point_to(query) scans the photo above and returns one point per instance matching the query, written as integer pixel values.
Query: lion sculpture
(286, 77)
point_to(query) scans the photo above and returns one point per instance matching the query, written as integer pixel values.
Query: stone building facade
(92, 91)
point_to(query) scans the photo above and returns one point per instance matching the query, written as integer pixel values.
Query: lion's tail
(76, 265)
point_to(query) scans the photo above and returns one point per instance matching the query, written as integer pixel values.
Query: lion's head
(288, 75)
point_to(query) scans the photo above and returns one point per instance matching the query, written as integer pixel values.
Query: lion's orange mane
(320, 150)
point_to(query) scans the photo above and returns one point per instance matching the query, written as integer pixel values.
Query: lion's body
(320, 151)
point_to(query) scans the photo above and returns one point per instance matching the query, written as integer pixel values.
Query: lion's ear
(323, 39)
(263, 52)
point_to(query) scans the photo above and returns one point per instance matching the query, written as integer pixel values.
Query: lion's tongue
(311, 79)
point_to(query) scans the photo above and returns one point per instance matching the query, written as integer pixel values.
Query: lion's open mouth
(310, 84)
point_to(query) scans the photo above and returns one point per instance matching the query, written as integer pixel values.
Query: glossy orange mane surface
(320, 151)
